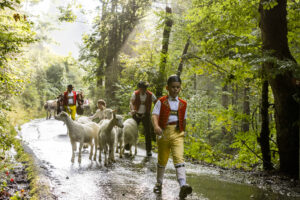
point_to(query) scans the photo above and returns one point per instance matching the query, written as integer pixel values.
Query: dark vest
(66, 102)
(148, 102)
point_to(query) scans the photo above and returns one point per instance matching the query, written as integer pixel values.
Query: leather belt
(173, 123)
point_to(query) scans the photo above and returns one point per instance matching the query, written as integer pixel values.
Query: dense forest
(238, 60)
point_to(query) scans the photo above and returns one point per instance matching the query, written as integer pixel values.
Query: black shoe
(184, 191)
(149, 154)
(157, 188)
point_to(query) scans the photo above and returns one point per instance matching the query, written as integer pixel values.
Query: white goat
(119, 137)
(84, 120)
(108, 113)
(130, 136)
(51, 107)
(106, 137)
(82, 133)
(119, 140)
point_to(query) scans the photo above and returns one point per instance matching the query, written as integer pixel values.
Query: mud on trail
(128, 178)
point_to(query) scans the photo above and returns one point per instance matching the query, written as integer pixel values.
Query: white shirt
(142, 108)
(173, 106)
(99, 114)
(70, 98)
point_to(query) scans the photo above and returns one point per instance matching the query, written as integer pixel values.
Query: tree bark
(102, 51)
(225, 102)
(186, 47)
(273, 27)
(246, 108)
(264, 139)
(164, 52)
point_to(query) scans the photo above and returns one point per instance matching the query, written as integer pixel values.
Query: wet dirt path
(128, 178)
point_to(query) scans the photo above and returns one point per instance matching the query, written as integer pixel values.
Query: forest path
(128, 178)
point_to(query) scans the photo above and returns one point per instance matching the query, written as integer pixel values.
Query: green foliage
(67, 14)
(15, 34)
(7, 134)
(294, 29)
(248, 150)
(102, 47)
(9, 4)
(267, 5)
(54, 76)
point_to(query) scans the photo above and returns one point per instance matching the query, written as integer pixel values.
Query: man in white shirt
(100, 114)
(140, 106)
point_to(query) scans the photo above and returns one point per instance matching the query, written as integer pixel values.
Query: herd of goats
(109, 135)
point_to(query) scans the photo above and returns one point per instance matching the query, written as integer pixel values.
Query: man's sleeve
(156, 109)
(153, 98)
(95, 115)
(132, 97)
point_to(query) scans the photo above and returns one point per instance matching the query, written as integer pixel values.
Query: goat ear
(114, 111)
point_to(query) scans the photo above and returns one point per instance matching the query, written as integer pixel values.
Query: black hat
(70, 86)
(143, 84)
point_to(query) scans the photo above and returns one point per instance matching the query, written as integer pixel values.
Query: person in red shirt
(140, 106)
(169, 120)
(70, 98)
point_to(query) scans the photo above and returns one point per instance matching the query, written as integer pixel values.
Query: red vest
(148, 102)
(66, 102)
(165, 112)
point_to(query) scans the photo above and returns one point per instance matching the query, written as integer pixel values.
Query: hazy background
(67, 36)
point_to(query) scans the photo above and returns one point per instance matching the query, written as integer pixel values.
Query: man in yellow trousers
(70, 101)
(169, 119)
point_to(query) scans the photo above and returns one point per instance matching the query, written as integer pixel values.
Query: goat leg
(92, 149)
(79, 155)
(112, 153)
(96, 148)
(122, 150)
(100, 155)
(117, 147)
(105, 156)
(130, 151)
(73, 150)
(121, 144)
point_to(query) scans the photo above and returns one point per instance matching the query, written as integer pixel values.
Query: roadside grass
(38, 190)
(19, 177)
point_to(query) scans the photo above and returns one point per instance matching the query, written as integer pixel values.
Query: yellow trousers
(71, 108)
(171, 141)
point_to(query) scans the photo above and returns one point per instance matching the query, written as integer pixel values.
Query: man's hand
(157, 130)
(133, 112)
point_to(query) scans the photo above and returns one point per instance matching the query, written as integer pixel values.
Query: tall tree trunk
(225, 101)
(264, 139)
(102, 51)
(164, 52)
(186, 47)
(235, 105)
(273, 27)
(246, 108)
(111, 57)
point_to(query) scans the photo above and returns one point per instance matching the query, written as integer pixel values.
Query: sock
(180, 172)
(182, 182)
(160, 173)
